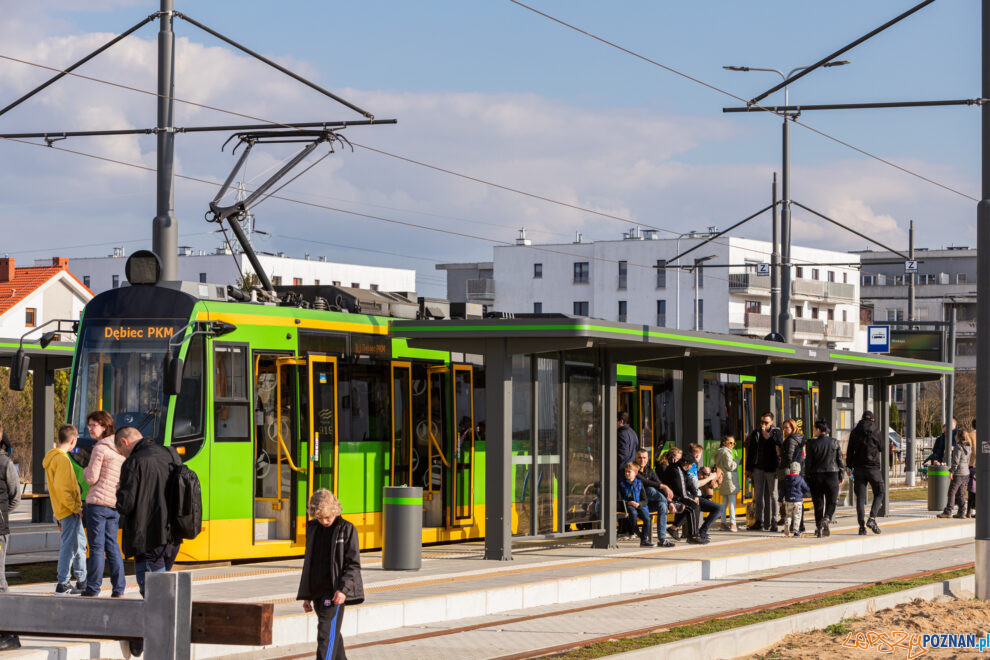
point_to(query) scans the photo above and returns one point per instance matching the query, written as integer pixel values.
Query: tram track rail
(638, 632)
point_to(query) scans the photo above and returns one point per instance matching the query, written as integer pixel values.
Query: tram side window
(365, 407)
(230, 393)
(188, 418)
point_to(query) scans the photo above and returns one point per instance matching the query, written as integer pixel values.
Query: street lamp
(784, 319)
(697, 273)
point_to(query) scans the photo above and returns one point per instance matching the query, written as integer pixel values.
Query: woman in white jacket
(725, 461)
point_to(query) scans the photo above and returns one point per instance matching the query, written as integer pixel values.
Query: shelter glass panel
(548, 445)
(584, 442)
(522, 445)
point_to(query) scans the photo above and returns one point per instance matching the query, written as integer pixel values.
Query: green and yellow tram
(273, 402)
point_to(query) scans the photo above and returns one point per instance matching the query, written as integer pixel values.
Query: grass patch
(839, 629)
(901, 494)
(32, 573)
(677, 633)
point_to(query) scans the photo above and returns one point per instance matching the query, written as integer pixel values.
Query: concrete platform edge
(751, 639)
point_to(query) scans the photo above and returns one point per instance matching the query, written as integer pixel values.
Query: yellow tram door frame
(407, 439)
(429, 490)
(748, 424)
(281, 448)
(455, 518)
(313, 446)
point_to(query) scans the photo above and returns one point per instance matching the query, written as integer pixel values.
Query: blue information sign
(878, 339)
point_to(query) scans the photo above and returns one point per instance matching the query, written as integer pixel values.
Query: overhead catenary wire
(417, 162)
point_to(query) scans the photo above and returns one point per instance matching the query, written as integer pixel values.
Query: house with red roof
(32, 295)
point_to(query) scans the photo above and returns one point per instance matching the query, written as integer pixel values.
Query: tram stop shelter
(44, 362)
(551, 399)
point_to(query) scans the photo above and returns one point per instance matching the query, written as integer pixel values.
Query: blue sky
(490, 89)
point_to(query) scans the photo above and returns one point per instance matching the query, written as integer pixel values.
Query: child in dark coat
(331, 575)
(792, 491)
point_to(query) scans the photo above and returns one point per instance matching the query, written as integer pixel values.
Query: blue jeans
(101, 531)
(657, 502)
(643, 512)
(714, 511)
(155, 560)
(72, 550)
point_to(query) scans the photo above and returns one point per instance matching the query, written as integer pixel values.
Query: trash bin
(403, 528)
(938, 488)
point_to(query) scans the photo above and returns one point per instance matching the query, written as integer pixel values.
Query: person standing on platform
(792, 451)
(6, 445)
(627, 442)
(961, 453)
(971, 499)
(864, 455)
(63, 493)
(762, 460)
(102, 473)
(331, 574)
(657, 495)
(10, 497)
(937, 457)
(725, 462)
(823, 472)
(793, 488)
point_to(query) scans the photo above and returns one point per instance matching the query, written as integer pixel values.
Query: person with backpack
(863, 454)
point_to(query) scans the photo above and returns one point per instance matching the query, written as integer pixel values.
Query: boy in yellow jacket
(63, 490)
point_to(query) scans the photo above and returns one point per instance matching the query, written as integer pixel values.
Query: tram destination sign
(138, 332)
(917, 344)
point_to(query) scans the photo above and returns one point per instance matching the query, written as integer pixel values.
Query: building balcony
(481, 290)
(809, 328)
(840, 331)
(749, 283)
(759, 285)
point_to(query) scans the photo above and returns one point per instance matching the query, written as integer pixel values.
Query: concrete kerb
(743, 641)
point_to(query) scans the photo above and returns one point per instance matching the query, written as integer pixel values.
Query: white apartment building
(221, 267)
(619, 280)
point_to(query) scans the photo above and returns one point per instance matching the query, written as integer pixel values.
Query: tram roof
(646, 345)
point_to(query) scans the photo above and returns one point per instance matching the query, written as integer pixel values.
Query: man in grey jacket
(10, 497)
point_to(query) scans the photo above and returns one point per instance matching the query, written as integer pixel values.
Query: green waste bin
(402, 547)
(938, 488)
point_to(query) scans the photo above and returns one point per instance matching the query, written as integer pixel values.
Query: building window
(960, 278)
(86, 281)
(661, 273)
(753, 306)
(537, 308)
(537, 271)
(336, 283)
(799, 272)
(701, 275)
(373, 287)
(296, 281)
(116, 281)
(316, 283)
(898, 394)
(662, 313)
(623, 274)
(580, 308)
(845, 316)
(581, 272)
(845, 278)
(701, 315)
(622, 311)
(355, 285)
(202, 277)
(814, 274)
(814, 312)
(869, 280)
(830, 275)
(895, 314)
(798, 311)
(831, 315)
(276, 280)
(30, 317)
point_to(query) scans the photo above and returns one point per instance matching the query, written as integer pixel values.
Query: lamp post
(697, 277)
(784, 320)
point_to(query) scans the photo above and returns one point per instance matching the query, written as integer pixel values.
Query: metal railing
(809, 326)
(482, 289)
(840, 329)
(757, 321)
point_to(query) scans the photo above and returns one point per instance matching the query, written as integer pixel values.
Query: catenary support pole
(950, 388)
(983, 321)
(165, 232)
(775, 264)
(786, 328)
(911, 388)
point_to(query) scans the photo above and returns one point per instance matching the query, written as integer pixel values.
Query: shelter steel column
(826, 402)
(498, 457)
(610, 468)
(43, 432)
(692, 404)
(762, 395)
(983, 338)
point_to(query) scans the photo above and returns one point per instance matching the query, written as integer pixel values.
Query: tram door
(627, 403)
(462, 453)
(321, 442)
(428, 458)
(646, 416)
(401, 469)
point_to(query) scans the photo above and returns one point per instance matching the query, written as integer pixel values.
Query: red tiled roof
(28, 279)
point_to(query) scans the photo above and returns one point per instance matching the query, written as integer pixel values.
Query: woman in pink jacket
(103, 475)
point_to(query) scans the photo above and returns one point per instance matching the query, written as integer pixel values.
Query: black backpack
(185, 503)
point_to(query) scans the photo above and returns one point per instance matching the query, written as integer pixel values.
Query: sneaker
(944, 515)
(9, 642)
(818, 533)
(136, 647)
(872, 524)
(959, 515)
(81, 585)
(733, 528)
(972, 514)
(755, 528)
(647, 544)
(862, 531)
(774, 529)
(674, 533)
(66, 589)
(797, 535)
(825, 529)
(666, 543)
(116, 595)
(86, 593)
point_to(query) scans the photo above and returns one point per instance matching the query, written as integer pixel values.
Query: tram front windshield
(119, 370)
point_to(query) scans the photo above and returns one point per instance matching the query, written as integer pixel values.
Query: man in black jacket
(676, 478)
(762, 461)
(627, 441)
(142, 503)
(331, 575)
(823, 466)
(865, 455)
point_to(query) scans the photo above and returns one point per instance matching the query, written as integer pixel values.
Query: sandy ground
(883, 633)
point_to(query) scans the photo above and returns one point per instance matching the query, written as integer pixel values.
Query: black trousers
(329, 643)
(690, 516)
(824, 494)
(958, 488)
(862, 477)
